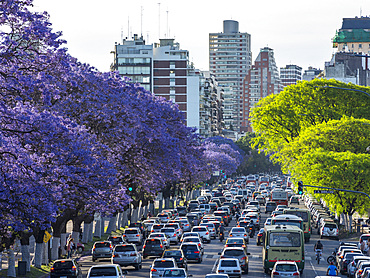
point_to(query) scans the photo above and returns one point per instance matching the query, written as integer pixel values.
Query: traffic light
(300, 188)
(130, 188)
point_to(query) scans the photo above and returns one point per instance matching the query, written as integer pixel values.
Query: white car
(285, 269)
(329, 229)
(189, 234)
(186, 227)
(133, 235)
(203, 233)
(212, 229)
(239, 232)
(105, 270)
(230, 267)
(351, 267)
(163, 236)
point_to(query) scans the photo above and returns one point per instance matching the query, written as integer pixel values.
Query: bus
(282, 243)
(305, 214)
(279, 196)
(287, 219)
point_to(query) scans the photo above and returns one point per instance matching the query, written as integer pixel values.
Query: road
(212, 249)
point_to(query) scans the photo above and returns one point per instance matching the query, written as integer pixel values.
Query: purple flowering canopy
(73, 138)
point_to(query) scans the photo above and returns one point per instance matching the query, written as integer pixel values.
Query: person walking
(70, 246)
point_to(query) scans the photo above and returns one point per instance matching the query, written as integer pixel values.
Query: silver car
(171, 235)
(159, 265)
(283, 269)
(101, 249)
(185, 225)
(239, 232)
(133, 235)
(127, 255)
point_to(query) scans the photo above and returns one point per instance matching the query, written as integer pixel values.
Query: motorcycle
(251, 231)
(221, 237)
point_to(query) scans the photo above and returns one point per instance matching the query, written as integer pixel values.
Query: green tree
(333, 154)
(279, 119)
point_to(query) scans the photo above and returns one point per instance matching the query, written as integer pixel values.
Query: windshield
(285, 239)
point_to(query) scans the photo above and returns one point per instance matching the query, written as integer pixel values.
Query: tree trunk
(39, 236)
(97, 232)
(45, 255)
(55, 248)
(119, 220)
(25, 249)
(102, 225)
(151, 207)
(160, 206)
(134, 215)
(350, 222)
(85, 235)
(112, 226)
(167, 203)
(125, 218)
(90, 235)
(11, 263)
(63, 242)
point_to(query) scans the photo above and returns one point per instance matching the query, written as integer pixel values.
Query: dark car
(191, 252)
(137, 225)
(179, 256)
(237, 253)
(116, 240)
(101, 249)
(65, 268)
(153, 247)
(181, 210)
(260, 237)
(270, 207)
(224, 216)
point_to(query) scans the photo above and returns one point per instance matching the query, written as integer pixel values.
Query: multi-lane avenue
(211, 256)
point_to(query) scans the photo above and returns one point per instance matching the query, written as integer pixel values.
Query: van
(243, 192)
(329, 229)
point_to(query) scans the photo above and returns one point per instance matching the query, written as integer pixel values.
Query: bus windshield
(285, 239)
(301, 214)
(286, 222)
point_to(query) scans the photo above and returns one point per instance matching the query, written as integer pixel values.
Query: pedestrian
(70, 246)
(363, 247)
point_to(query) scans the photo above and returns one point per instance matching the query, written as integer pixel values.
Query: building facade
(261, 80)
(165, 70)
(229, 60)
(290, 74)
(311, 73)
(354, 36)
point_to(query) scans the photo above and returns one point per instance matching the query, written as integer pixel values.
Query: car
(211, 228)
(179, 257)
(138, 225)
(176, 273)
(343, 263)
(236, 242)
(181, 210)
(268, 221)
(176, 226)
(65, 268)
(194, 239)
(260, 237)
(133, 235)
(164, 217)
(189, 234)
(127, 255)
(351, 268)
(230, 267)
(193, 219)
(159, 265)
(213, 206)
(162, 236)
(213, 275)
(236, 253)
(106, 270)
(101, 249)
(294, 200)
(192, 252)
(156, 228)
(116, 240)
(171, 235)
(205, 208)
(239, 232)
(203, 233)
(153, 247)
(186, 227)
(224, 216)
(329, 229)
(285, 269)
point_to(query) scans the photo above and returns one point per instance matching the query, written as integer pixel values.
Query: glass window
(284, 239)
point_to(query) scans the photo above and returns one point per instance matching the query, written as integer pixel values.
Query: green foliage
(245, 142)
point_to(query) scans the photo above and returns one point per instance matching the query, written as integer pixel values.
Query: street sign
(47, 236)
(323, 191)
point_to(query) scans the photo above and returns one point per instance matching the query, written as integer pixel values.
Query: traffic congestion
(253, 226)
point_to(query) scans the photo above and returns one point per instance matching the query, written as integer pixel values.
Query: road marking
(313, 268)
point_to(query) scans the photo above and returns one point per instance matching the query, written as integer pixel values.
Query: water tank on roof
(231, 26)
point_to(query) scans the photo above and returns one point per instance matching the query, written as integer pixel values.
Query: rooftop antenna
(167, 25)
(121, 33)
(159, 20)
(128, 28)
(141, 19)
(360, 11)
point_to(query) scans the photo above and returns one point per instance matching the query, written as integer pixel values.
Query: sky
(299, 32)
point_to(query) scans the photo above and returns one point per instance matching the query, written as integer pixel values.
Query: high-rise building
(261, 80)
(165, 70)
(290, 74)
(230, 58)
(354, 36)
